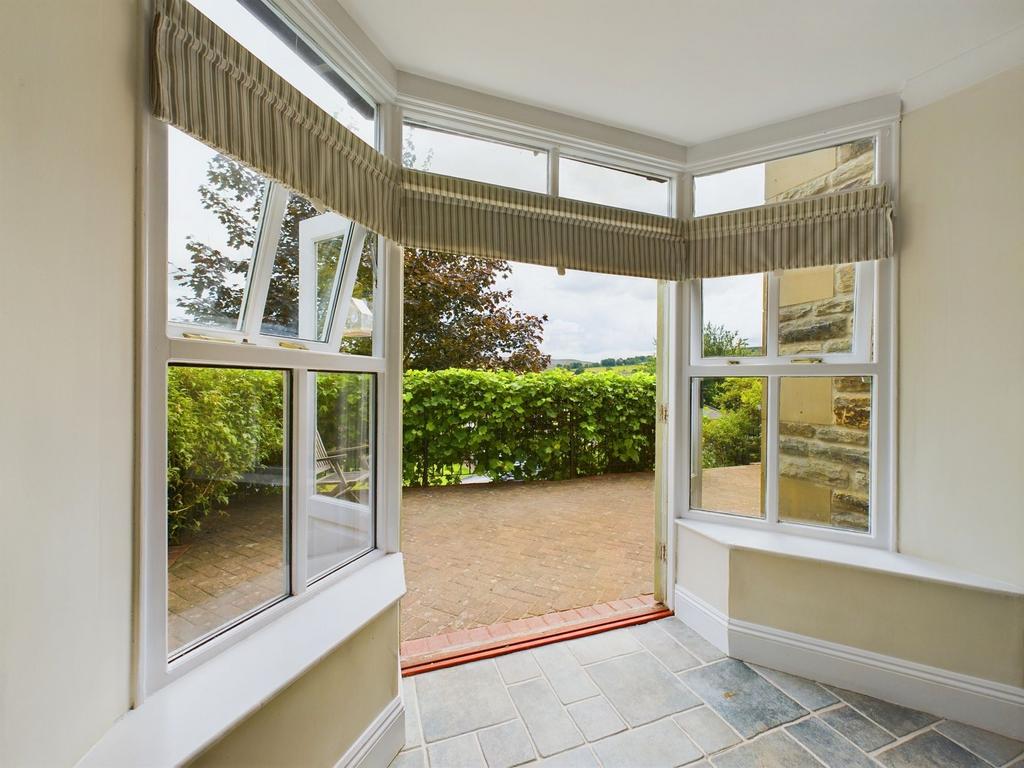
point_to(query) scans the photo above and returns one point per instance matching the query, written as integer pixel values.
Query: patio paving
(477, 555)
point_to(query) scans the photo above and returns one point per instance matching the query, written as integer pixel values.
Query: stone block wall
(824, 430)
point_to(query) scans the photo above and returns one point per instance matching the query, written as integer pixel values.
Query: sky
(590, 316)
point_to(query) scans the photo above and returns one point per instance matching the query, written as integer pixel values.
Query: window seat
(180, 720)
(868, 558)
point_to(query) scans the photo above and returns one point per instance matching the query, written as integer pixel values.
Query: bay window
(264, 371)
(788, 371)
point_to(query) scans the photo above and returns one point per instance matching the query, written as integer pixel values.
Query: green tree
(719, 341)
(457, 317)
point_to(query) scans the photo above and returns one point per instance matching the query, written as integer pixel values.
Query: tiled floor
(658, 696)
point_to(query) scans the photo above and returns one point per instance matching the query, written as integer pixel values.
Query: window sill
(853, 555)
(180, 720)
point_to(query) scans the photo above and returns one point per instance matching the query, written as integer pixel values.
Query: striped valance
(448, 214)
(839, 228)
(210, 86)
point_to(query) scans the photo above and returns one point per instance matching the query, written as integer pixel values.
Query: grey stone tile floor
(659, 696)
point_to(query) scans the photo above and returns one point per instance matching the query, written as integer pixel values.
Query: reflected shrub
(222, 423)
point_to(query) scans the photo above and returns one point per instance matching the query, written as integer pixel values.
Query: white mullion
(389, 404)
(554, 155)
(787, 369)
(346, 285)
(302, 425)
(379, 291)
(262, 267)
(201, 352)
(773, 286)
(771, 459)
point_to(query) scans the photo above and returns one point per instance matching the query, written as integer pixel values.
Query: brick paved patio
(232, 566)
(481, 554)
(476, 555)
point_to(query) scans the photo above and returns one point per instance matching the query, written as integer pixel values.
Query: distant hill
(564, 362)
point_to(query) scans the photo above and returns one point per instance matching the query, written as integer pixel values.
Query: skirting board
(377, 746)
(983, 703)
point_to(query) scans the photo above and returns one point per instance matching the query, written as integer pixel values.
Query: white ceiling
(684, 70)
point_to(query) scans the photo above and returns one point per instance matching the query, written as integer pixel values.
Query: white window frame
(162, 343)
(554, 147)
(875, 309)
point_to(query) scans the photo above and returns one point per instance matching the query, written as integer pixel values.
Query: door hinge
(663, 413)
(663, 552)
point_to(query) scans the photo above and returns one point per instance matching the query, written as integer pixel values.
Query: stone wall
(824, 430)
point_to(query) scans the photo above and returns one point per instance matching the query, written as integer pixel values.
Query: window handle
(291, 345)
(811, 360)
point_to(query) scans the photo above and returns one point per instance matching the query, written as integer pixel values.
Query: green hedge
(224, 423)
(544, 426)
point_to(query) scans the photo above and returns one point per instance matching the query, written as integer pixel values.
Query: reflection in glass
(357, 336)
(341, 518)
(727, 444)
(227, 498)
(267, 35)
(214, 206)
(468, 157)
(825, 450)
(309, 270)
(733, 315)
(609, 186)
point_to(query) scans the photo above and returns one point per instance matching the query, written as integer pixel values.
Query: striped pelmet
(448, 214)
(211, 87)
(838, 228)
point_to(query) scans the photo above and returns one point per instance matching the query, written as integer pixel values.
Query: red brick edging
(464, 645)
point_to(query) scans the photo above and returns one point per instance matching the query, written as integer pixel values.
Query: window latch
(811, 360)
(291, 345)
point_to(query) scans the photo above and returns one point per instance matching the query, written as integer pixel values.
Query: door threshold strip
(488, 648)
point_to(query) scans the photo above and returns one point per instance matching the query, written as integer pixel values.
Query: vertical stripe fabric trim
(838, 228)
(211, 87)
(449, 214)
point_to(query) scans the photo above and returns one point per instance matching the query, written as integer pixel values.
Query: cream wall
(970, 631)
(67, 205)
(313, 722)
(961, 263)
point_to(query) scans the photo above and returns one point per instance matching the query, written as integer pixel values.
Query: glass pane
(467, 157)
(832, 169)
(824, 450)
(357, 336)
(733, 315)
(227, 498)
(213, 213)
(727, 441)
(608, 186)
(816, 310)
(308, 271)
(341, 519)
(255, 25)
